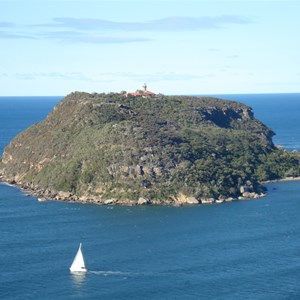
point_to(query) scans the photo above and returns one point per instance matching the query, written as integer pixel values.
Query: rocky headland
(163, 150)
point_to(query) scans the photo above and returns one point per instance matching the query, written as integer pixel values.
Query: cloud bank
(99, 31)
(165, 24)
(100, 77)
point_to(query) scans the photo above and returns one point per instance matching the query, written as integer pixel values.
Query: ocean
(241, 250)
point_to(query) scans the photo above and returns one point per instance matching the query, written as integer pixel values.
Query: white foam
(111, 273)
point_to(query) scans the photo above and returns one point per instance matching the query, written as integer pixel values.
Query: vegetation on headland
(109, 148)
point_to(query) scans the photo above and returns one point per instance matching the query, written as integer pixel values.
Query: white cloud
(6, 24)
(165, 24)
(15, 35)
(105, 77)
(75, 36)
(54, 75)
(104, 31)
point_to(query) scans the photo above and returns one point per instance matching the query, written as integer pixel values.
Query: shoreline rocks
(181, 200)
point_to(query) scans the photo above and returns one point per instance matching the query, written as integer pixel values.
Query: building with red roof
(141, 93)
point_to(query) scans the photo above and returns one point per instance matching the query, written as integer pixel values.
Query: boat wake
(129, 274)
(112, 273)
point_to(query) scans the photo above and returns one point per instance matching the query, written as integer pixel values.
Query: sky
(54, 47)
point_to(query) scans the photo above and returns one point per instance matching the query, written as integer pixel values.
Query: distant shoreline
(281, 180)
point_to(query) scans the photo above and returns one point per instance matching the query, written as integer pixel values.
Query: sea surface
(242, 250)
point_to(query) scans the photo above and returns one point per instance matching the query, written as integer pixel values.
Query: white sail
(78, 264)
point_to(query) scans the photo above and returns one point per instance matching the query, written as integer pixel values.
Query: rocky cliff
(109, 148)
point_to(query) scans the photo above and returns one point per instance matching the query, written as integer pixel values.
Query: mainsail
(78, 264)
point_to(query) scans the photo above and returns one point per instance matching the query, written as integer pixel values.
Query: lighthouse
(144, 87)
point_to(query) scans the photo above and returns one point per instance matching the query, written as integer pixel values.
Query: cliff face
(112, 148)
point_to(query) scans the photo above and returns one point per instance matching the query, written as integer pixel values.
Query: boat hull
(78, 271)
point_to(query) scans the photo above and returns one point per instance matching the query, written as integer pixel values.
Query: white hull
(78, 271)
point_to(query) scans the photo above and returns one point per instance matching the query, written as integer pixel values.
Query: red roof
(141, 93)
(135, 94)
(148, 93)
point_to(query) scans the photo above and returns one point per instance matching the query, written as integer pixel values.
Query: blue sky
(177, 47)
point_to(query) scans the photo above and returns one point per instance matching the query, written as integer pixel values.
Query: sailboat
(78, 265)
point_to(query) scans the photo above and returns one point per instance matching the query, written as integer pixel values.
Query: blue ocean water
(240, 250)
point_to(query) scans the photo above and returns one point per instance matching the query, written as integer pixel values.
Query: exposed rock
(250, 195)
(244, 189)
(220, 200)
(143, 201)
(42, 199)
(110, 201)
(183, 199)
(229, 199)
(63, 195)
(192, 200)
(207, 201)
